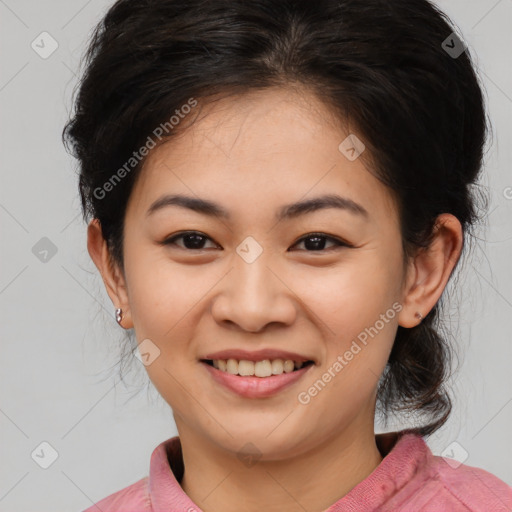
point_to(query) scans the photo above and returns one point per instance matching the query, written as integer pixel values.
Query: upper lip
(257, 355)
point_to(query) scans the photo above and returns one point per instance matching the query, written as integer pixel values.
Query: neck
(314, 480)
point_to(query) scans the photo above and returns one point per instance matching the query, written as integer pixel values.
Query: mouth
(256, 379)
(262, 369)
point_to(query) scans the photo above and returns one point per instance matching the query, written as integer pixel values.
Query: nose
(254, 295)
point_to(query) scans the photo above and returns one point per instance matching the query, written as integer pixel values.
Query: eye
(195, 240)
(315, 242)
(191, 240)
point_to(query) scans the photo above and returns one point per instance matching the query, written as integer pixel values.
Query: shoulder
(136, 496)
(473, 488)
(154, 491)
(439, 484)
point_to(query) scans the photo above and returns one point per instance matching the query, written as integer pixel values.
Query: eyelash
(339, 243)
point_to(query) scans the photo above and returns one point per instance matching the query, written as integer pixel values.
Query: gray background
(60, 343)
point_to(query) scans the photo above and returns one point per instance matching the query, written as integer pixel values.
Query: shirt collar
(403, 452)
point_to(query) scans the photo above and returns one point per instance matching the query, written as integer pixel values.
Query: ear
(111, 274)
(428, 272)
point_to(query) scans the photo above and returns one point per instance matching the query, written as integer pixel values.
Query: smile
(264, 368)
(256, 379)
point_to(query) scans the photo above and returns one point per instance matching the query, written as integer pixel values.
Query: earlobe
(112, 276)
(430, 269)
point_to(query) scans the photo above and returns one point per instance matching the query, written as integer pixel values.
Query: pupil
(318, 242)
(197, 241)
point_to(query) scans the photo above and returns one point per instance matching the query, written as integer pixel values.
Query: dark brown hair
(382, 64)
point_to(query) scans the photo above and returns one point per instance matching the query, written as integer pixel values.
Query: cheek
(350, 297)
(356, 310)
(161, 292)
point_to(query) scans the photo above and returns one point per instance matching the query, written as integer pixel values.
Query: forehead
(257, 149)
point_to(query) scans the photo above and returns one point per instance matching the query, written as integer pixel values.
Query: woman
(278, 193)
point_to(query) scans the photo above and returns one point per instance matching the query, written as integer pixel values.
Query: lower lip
(256, 387)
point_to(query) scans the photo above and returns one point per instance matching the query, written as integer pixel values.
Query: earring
(119, 315)
(419, 316)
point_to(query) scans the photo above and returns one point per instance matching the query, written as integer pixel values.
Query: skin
(252, 155)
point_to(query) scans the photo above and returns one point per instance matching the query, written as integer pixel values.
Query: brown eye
(192, 240)
(316, 242)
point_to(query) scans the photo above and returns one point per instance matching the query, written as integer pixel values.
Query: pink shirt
(409, 479)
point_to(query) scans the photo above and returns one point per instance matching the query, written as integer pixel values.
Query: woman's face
(264, 276)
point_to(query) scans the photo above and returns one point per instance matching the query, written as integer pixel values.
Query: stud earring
(419, 316)
(119, 315)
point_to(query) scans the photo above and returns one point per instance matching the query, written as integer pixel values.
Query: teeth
(264, 368)
(232, 366)
(288, 366)
(277, 366)
(245, 367)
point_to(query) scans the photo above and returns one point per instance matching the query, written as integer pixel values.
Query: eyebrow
(207, 207)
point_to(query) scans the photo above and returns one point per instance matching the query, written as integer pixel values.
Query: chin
(261, 442)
